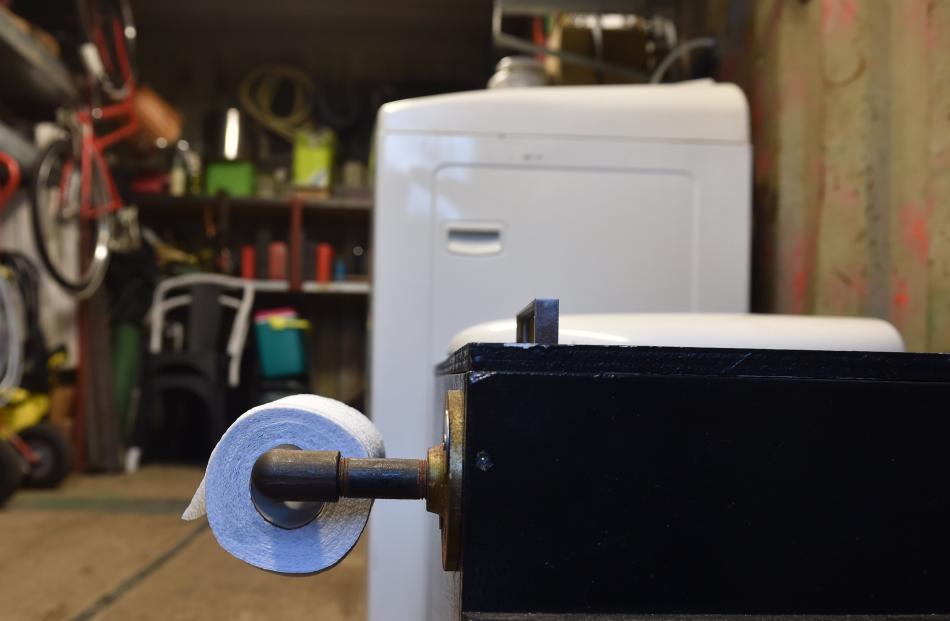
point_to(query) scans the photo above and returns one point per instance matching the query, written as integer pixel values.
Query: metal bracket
(538, 322)
(445, 471)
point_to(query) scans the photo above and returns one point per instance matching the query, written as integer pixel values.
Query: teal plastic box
(280, 342)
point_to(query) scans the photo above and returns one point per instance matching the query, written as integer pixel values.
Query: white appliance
(731, 330)
(610, 198)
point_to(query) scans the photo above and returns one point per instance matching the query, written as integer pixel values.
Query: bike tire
(52, 448)
(11, 471)
(89, 279)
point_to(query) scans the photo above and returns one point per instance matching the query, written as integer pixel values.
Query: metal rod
(291, 474)
(382, 478)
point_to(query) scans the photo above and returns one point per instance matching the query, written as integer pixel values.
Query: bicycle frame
(107, 63)
(85, 192)
(91, 146)
(13, 178)
(90, 155)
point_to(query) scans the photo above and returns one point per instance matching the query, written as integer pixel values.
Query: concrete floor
(106, 548)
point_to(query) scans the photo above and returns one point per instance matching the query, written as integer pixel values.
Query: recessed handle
(474, 238)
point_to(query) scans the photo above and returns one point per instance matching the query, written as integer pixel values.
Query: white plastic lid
(706, 330)
(695, 111)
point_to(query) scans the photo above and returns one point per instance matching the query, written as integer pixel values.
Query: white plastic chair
(163, 302)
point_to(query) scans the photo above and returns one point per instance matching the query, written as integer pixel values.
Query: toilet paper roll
(308, 422)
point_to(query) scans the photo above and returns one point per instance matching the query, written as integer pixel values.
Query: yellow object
(314, 152)
(288, 323)
(24, 410)
(280, 344)
(56, 359)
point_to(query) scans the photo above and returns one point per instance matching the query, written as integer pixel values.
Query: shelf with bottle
(158, 202)
(341, 287)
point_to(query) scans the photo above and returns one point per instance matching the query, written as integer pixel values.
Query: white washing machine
(610, 198)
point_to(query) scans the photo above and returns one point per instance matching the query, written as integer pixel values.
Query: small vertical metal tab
(538, 322)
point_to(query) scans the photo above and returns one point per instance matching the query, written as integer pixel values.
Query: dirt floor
(114, 547)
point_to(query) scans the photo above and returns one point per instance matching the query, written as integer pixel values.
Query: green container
(280, 344)
(236, 178)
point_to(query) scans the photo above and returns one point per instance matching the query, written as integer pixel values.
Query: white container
(610, 198)
(731, 330)
(518, 71)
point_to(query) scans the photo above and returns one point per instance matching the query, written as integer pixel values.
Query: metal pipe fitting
(291, 474)
(286, 476)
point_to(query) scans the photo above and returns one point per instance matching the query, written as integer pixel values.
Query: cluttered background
(188, 194)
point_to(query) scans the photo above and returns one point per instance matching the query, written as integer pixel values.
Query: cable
(674, 55)
(333, 118)
(259, 89)
(11, 312)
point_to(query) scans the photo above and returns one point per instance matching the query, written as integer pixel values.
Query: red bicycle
(75, 198)
(12, 178)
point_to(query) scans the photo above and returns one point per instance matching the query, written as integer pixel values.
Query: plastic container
(280, 342)
(518, 71)
(314, 151)
(277, 260)
(248, 262)
(339, 269)
(324, 262)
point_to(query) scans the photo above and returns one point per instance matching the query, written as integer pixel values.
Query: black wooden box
(623, 482)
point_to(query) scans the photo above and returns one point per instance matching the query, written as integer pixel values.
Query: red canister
(324, 262)
(248, 262)
(277, 261)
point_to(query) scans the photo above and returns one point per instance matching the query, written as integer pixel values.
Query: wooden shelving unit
(333, 203)
(337, 310)
(343, 287)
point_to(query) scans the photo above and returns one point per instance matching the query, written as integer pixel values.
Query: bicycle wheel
(51, 448)
(11, 471)
(109, 30)
(59, 232)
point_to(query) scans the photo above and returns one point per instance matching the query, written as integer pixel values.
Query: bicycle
(11, 181)
(75, 198)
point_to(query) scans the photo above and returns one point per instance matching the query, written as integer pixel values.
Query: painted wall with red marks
(850, 119)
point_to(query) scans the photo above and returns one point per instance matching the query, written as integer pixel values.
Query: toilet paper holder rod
(288, 474)
(285, 474)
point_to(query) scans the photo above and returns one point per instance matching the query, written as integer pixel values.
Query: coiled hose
(259, 89)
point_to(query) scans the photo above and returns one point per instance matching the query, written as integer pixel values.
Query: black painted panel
(619, 493)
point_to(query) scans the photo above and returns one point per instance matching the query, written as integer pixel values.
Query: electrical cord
(337, 119)
(10, 314)
(259, 89)
(683, 48)
(34, 356)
